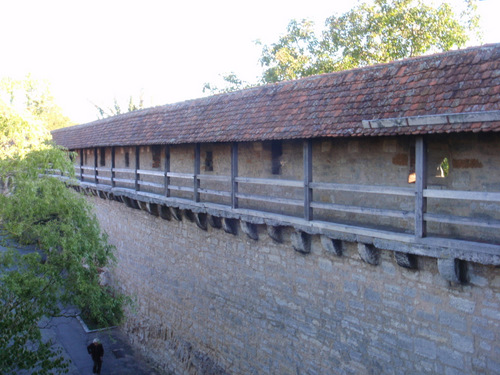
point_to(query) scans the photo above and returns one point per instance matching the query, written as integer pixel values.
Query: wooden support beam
(95, 165)
(81, 164)
(113, 183)
(234, 175)
(307, 155)
(196, 181)
(137, 165)
(166, 178)
(420, 186)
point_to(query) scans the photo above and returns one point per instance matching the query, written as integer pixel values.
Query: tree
(33, 96)
(370, 33)
(72, 249)
(116, 108)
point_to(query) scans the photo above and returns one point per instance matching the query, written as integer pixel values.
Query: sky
(93, 51)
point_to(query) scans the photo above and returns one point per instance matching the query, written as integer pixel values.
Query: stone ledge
(381, 239)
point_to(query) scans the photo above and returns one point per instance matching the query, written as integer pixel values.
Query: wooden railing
(193, 187)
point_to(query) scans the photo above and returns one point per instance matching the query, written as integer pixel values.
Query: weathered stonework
(209, 302)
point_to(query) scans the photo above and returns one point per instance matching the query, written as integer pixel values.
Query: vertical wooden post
(95, 165)
(137, 164)
(307, 154)
(166, 178)
(420, 185)
(81, 164)
(234, 174)
(113, 184)
(196, 181)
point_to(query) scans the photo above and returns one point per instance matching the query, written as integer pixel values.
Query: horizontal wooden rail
(180, 175)
(270, 181)
(214, 178)
(151, 184)
(214, 192)
(461, 220)
(88, 176)
(463, 195)
(262, 198)
(364, 210)
(372, 189)
(124, 180)
(180, 188)
(103, 178)
(121, 170)
(150, 173)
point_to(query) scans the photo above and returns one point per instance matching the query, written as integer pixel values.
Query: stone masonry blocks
(207, 301)
(453, 270)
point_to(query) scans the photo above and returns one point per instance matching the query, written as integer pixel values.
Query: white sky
(95, 50)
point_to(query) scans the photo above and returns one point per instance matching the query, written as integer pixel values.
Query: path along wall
(209, 302)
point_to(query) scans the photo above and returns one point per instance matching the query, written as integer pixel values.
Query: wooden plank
(152, 184)
(196, 181)
(147, 172)
(95, 165)
(123, 170)
(137, 164)
(207, 177)
(166, 179)
(363, 210)
(262, 198)
(113, 162)
(234, 175)
(307, 158)
(270, 181)
(420, 186)
(372, 189)
(102, 178)
(463, 195)
(215, 192)
(461, 220)
(181, 175)
(125, 180)
(91, 176)
(81, 164)
(88, 168)
(181, 188)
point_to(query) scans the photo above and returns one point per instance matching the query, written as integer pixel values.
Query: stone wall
(209, 302)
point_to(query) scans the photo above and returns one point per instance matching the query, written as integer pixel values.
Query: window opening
(127, 159)
(276, 153)
(209, 162)
(102, 152)
(412, 176)
(443, 168)
(156, 150)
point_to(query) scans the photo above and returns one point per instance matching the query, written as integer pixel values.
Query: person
(96, 350)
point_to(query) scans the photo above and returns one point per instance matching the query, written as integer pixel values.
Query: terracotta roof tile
(328, 105)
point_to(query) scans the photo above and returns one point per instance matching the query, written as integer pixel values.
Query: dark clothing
(96, 350)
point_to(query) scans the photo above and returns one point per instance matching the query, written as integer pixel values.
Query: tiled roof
(327, 105)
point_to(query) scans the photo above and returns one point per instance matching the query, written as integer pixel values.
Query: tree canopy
(372, 32)
(34, 97)
(71, 249)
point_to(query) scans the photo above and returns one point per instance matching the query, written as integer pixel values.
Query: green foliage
(41, 210)
(34, 97)
(230, 83)
(117, 108)
(372, 32)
